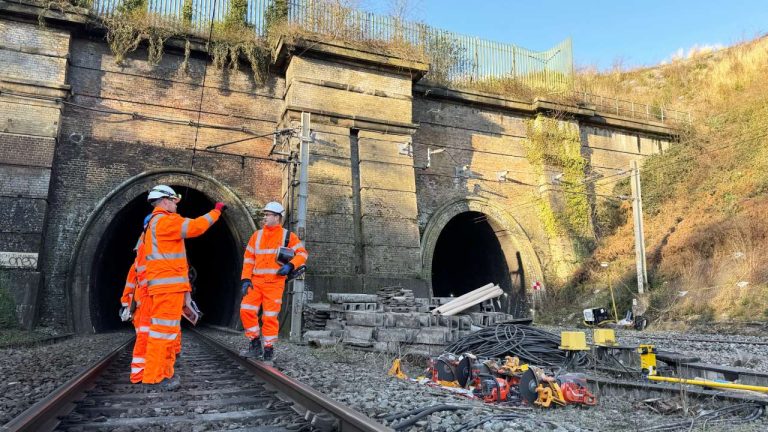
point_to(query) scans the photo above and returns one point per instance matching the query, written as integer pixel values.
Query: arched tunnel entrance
(214, 260)
(468, 254)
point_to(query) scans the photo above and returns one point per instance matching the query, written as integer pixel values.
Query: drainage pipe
(466, 297)
(453, 311)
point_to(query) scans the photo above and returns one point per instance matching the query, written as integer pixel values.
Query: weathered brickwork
(373, 203)
(26, 150)
(21, 215)
(33, 62)
(99, 151)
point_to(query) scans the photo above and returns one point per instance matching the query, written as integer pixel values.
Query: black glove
(285, 269)
(245, 285)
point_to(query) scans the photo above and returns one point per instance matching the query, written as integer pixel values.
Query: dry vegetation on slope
(705, 200)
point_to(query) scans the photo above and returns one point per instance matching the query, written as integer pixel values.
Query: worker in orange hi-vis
(136, 299)
(168, 279)
(271, 255)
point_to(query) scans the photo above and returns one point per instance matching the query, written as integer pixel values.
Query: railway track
(219, 391)
(698, 339)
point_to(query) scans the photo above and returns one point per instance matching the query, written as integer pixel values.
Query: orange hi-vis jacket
(166, 255)
(136, 282)
(259, 263)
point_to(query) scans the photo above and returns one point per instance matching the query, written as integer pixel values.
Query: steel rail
(607, 387)
(349, 419)
(713, 341)
(43, 415)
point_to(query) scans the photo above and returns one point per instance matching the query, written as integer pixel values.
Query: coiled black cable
(420, 413)
(532, 345)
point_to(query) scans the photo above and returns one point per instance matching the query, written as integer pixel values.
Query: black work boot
(170, 384)
(254, 349)
(269, 353)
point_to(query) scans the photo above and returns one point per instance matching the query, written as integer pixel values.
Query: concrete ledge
(287, 45)
(541, 105)
(31, 10)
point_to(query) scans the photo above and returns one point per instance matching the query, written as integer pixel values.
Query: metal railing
(452, 57)
(632, 109)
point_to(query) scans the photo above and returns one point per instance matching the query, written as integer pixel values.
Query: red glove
(220, 206)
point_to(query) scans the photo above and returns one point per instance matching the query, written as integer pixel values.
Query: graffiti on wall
(23, 260)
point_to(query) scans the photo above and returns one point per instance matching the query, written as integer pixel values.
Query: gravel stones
(359, 379)
(31, 373)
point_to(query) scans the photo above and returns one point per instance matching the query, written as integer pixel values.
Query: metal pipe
(463, 298)
(707, 383)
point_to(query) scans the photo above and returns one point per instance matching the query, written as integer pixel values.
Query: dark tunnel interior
(467, 256)
(214, 256)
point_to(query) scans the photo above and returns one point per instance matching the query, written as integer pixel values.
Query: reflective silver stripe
(248, 260)
(265, 271)
(158, 335)
(304, 254)
(165, 322)
(258, 240)
(271, 313)
(184, 227)
(124, 304)
(265, 252)
(142, 329)
(298, 245)
(250, 249)
(269, 338)
(249, 307)
(154, 257)
(141, 268)
(209, 218)
(138, 360)
(153, 234)
(279, 301)
(130, 285)
(253, 329)
(136, 370)
(166, 281)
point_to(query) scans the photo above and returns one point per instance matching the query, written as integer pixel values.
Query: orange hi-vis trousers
(270, 297)
(141, 321)
(164, 330)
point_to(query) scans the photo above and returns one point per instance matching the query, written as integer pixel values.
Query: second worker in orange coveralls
(168, 279)
(263, 280)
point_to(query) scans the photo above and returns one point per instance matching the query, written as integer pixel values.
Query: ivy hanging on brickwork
(556, 146)
(131, 25)
(235, 37)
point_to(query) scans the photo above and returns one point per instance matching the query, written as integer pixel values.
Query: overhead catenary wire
(202, 85)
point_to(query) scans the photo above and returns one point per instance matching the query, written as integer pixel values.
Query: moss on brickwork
(557, 146)
(8, 318)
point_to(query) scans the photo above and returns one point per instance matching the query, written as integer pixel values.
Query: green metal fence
(452, 57)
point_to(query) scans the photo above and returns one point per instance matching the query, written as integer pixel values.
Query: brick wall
(33, 63)
(106, 150)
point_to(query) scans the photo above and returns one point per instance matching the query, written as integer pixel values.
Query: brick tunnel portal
(214, 261)
(468, 255)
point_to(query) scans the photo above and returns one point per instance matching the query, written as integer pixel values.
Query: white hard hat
(274, 207)
(162, 191)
